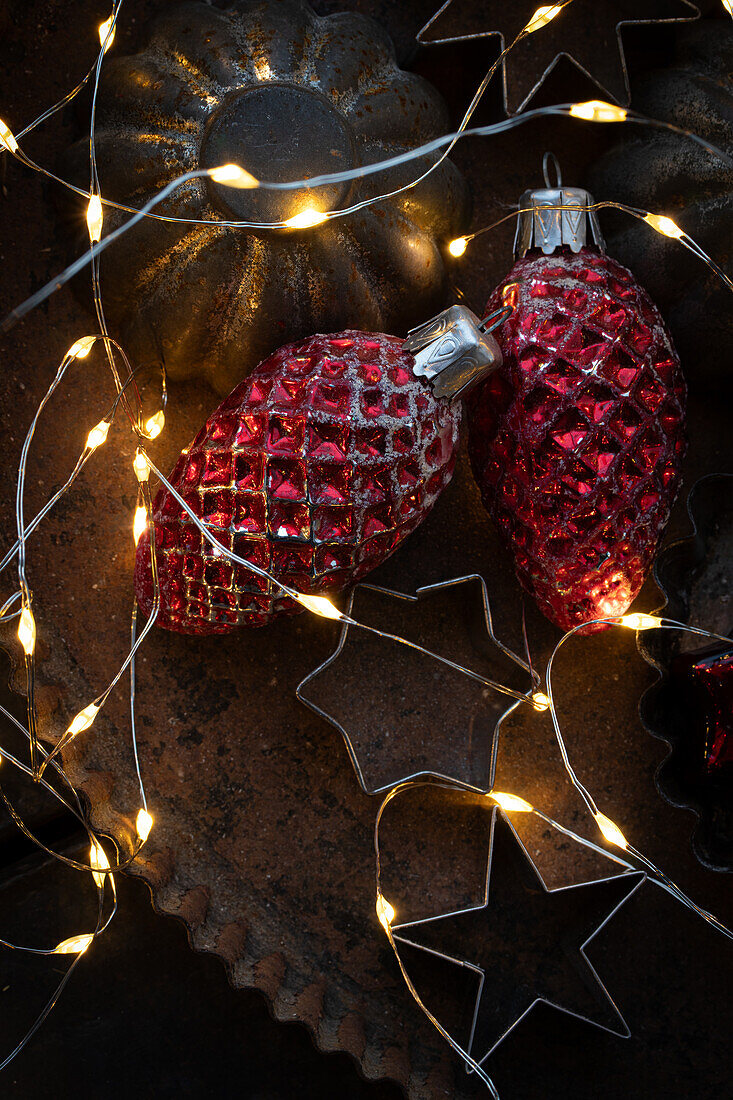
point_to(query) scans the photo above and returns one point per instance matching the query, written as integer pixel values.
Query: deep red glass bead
(706, 678)
(315, 468)
(576, 442)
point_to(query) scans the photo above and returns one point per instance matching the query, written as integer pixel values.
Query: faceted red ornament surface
(707, 674)
(315, 468)
(577, 441)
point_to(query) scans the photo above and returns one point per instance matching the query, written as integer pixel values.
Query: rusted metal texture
(262, 840)
(696, 577)
(287, 95)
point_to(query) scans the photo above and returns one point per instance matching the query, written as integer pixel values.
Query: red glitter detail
(288, 391)
(286, 479)
(249, 471)
(225, 429)
(218, 468)
(707, 675)
(576, 442)
(314, 469)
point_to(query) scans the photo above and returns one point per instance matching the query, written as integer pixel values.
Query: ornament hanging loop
(494, 319)
(547, 160)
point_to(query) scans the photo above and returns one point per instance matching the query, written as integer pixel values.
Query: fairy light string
(659, 223)
(19, 605)
(310, 217)
(387, 915)
(608, 828)
(27, 626)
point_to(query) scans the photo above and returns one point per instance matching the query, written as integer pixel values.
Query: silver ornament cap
(542, 224)
(454, 350)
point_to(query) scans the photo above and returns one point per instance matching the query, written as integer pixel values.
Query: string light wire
(607, 827)
(317, 217)
(99, 867)
(386, 913)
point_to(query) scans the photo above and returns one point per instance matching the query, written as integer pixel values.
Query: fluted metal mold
(286, 94)
(689, 573)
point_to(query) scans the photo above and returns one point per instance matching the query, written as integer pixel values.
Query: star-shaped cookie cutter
(601, 898)
(520, 82)
(428, 770)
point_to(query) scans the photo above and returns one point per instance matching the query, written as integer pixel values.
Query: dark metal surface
(593, 44)
(398, 732)
(549, 931)
(696, 577)
(287, 95)
(262, 838)
(667, 173)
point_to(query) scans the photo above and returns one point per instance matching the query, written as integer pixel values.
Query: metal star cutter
(403, 715)
(581, 33)
(523, 944)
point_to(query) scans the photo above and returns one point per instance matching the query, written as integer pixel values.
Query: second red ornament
(577, 441)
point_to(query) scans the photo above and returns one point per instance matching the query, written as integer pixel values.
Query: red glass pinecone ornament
(315, 468)
(576, 442)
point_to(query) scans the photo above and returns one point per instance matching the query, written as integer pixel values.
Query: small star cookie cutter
(475, 703)
(582, 911)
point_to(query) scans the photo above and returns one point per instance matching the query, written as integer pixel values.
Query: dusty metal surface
(262, 842)
(695, 575)
(288, 95)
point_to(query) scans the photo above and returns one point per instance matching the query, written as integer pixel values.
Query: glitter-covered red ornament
(577, 441)
(704, 680)
(315, 469)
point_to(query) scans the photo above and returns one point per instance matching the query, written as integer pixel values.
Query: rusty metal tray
(262, 842)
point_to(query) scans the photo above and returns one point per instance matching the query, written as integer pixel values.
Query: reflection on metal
(285, 94)
(455, 350)
(543, 224)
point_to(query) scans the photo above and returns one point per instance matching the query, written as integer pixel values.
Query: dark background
(144, 1015)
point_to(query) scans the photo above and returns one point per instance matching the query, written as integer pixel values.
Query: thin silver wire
(454, 785)
(519, 697)
(24, 530)
(656, 874)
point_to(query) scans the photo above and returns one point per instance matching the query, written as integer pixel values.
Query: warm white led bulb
(664, 225)
(319, 605)
(540, 701)
(307, 218)
(105, 38)
(610, 831)
(98, 859)
(233, 176)
(95, 217)
(139, 523)
(81, 348)
(639, 621)
(75, 945)
(143, 824)
(597, 110)
(141, 466)
(542, 17)
(511, 802)
(97, 435)
(385, 912)
(154, 424)
(7, 139)
(27, 631)
(458, 246)
(83, 720)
